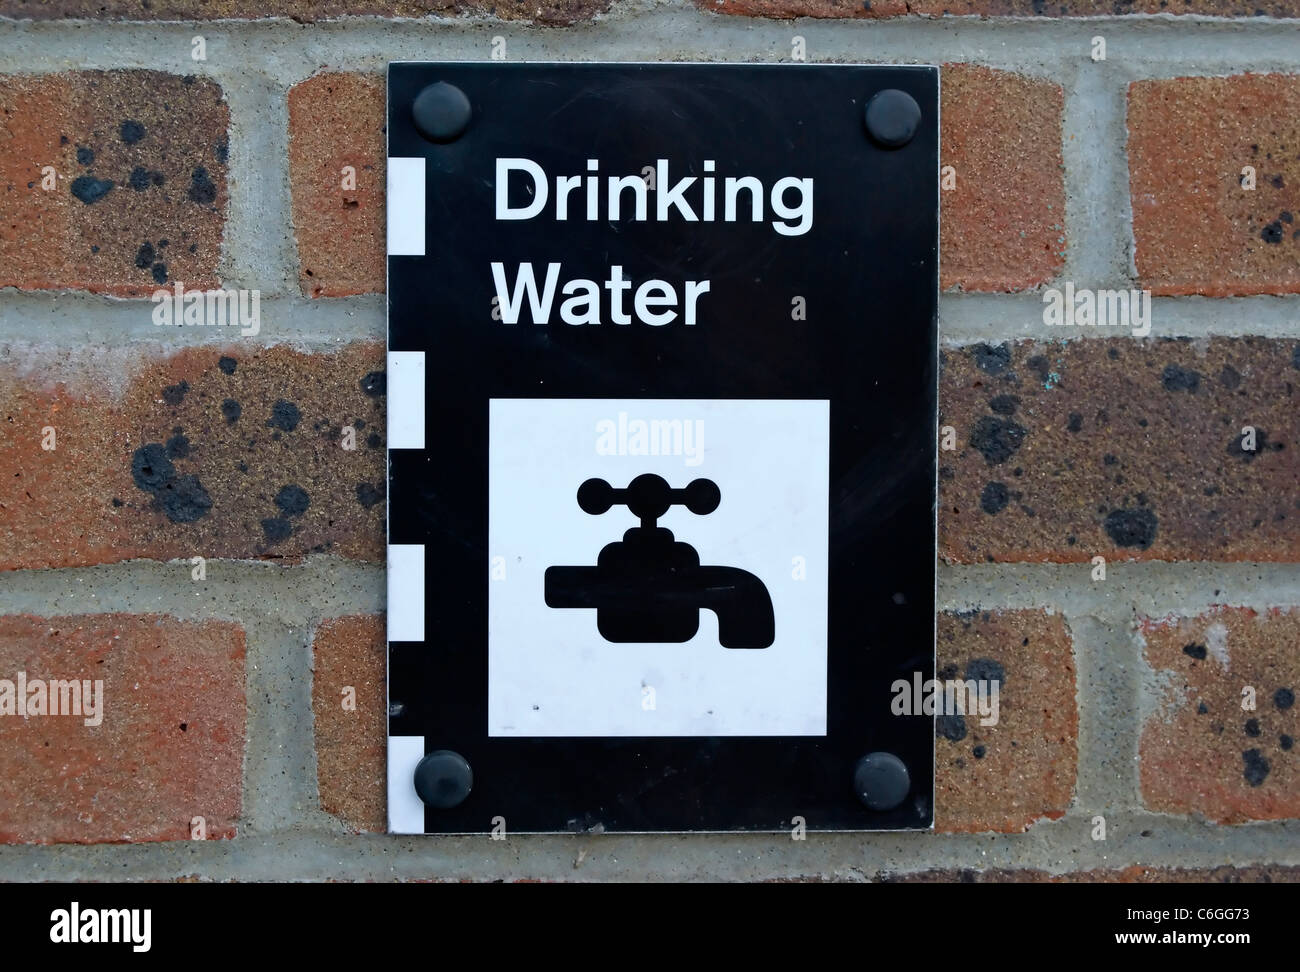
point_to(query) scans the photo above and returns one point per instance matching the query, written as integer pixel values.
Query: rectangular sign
(662, 367)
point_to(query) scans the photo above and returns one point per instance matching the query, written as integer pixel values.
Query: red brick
(170, 746)
(225, 491)
(552, 12)
(337, 120)
(1196, 229)
(1003, 226)
(1201, 753)
(1128, 449)
(351, 744)
(883, 9)
(158, 139)
(1003, 777)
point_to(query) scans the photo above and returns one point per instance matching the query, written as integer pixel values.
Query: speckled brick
(551, 12)
(139, 191)
(1003, 227)
(1003, 777)
(1124, 448)
(336, 121)
(205, 452)
(348, 669)
(1202, 752)
(1197, 230)
(881, 9)
(169, 745)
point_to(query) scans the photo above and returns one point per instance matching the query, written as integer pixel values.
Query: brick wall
(198, 539)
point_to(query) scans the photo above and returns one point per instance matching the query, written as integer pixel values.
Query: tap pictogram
(649, 587)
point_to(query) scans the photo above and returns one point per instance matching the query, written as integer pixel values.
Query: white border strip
(405, 206)
(405, 808)
(405, 592)
(405, 399)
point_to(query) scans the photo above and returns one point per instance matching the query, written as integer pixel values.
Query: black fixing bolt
(892, 118)
(443, 779)
(441, 112)
(881, 781)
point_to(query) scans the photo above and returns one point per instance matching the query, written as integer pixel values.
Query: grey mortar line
(247, 592)
(288, 52)
(63, 319)
(328, 587)
(1146, 588)
(975, 318)
(1058, 847)
(258, 247)
(66, 319)
(1107, 665)
(279, 790)
(1097, 210)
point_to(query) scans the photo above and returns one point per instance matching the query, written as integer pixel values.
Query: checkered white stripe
(405, 399)
(405, 207)
(406, 187)
(405, 809)
(405, 592)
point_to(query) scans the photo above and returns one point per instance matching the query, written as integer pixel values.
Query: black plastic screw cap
(892, 118)
(443, 779)
(881, 781)
(441, 112)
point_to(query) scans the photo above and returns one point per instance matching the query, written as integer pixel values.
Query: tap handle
(649, 496)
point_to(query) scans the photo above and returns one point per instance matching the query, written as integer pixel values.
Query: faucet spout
(741, 602)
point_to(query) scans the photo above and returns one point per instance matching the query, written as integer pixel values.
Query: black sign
(661, 386)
